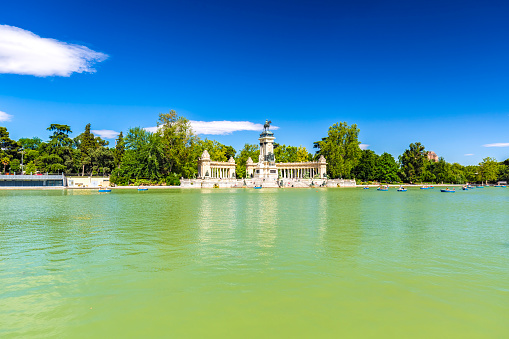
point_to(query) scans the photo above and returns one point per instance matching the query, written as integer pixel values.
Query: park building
(432, 156)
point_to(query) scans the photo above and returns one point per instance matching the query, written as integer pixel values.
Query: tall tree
(387, 168)
(5, 161)
(489, 169)
(367, 166)
(143, 158)
(8, 147)
(118, 154)
(341, 149)
(413, 162)
(178, 140)
(443, 171)
(87, 143)
(60, 136)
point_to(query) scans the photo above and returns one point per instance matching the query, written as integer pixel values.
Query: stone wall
(266, 183)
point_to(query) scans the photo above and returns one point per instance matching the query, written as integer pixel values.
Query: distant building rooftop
(432, 156)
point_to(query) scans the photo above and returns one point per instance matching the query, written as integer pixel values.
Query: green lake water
(255, 263)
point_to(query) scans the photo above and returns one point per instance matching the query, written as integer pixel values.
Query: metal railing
(31, 177)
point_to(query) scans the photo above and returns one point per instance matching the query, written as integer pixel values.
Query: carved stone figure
(266, 125)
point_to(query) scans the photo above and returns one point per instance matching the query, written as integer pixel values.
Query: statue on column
(266, 125)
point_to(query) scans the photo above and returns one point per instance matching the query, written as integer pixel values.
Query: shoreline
(196, 187)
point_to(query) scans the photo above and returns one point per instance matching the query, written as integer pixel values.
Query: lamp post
(22, 153)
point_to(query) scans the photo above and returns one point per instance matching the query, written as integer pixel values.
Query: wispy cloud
(363, 146)
(469, 154)
(221, 127)
(23, 52)
(5, 117)
(225, 127)
(105, 133)
(151, 129)
(497, 144)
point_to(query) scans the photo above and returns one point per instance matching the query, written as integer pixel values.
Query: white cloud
(363, 146)
(151, 129)
(5, 117)
(469, 154)
(105, 133)
(497, 144)
(225, 127)
(221, 127)
(23, 52)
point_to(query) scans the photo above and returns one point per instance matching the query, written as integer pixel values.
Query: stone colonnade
(221, 172)
(294, 170)
(297, 173)
(208, 169)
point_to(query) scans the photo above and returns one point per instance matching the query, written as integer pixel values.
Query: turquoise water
(255, 263)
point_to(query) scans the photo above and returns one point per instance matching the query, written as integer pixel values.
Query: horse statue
(267, 125)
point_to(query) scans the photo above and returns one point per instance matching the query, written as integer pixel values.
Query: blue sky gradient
(403, 71)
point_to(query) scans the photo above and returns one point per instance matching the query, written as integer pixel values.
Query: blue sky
(404, 71)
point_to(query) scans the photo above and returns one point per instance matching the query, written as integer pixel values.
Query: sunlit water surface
(255, 263)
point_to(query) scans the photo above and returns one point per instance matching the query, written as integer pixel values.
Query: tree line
(172, 152)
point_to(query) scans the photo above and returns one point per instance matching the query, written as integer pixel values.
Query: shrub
(173, 179)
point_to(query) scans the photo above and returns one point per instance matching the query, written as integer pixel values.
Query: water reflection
(342, 230)
(236, 226)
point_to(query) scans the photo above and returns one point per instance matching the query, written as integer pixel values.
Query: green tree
(143, 158)
(387, 168)
(489, 169)
(88, 144)
(119, 150)
(217, 151)
(458, 174)
(30, 143)
(15, 165)
(366, 169)
(341, 149)
(413, 162)
(302, 154)
(5, 161)
(102, 160)
(472, 173)
(249, 151)
(50, 163)
(31, 168)
(428, 172)
(229, 151)
(60, 137)
(178, 142)
(283, 153)
(8, 147)
(443, 171)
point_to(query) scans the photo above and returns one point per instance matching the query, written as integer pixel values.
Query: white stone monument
(266, 167)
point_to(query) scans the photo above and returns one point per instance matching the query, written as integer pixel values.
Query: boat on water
(402, 189)
(447, 190)
(142, 188)
(104, 190)
(426, 187)
(366, 188)
(258, 187)
(465, 188)
(383, 188)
